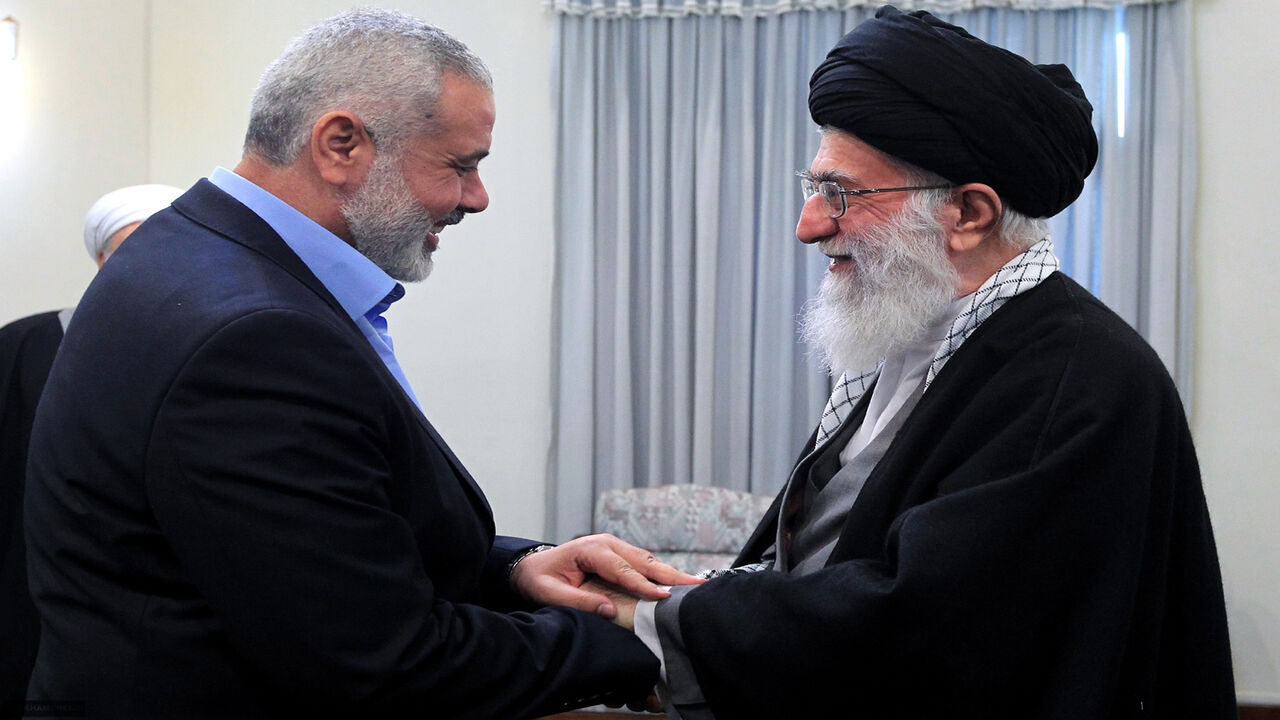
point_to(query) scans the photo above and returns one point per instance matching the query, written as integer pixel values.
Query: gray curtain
(678, 277)
(752, 8)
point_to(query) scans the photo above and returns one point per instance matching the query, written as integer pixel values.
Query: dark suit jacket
(234, 510)
(1034, 544)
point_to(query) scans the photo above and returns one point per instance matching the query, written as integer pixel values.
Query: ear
(341, 149)
(973, 215)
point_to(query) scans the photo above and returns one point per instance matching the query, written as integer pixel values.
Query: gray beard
(900, 283)
(388, 225)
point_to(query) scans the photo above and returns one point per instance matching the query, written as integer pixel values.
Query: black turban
(931, 94)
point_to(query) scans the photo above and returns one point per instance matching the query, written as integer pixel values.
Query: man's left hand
(556, 576)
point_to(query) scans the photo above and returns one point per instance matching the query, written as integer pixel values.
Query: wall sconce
(9, 38)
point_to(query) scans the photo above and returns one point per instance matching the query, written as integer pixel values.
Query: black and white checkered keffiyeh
(1016, 277)
(723, 572)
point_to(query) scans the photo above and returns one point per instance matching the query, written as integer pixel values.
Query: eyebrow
(831, 175)
(474, 157)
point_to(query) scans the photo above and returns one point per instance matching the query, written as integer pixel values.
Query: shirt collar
(359, 286)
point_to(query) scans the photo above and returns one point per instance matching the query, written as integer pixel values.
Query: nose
(815, 222)
(474, 196)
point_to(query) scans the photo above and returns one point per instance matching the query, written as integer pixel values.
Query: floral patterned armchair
(692, 527)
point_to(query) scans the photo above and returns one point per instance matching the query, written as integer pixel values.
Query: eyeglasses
(835, 195)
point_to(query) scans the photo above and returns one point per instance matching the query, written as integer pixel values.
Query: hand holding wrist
(556, 575)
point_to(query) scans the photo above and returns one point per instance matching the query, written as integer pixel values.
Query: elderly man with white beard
(1000, 514)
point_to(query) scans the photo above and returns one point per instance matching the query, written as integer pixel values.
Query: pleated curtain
(680, 125)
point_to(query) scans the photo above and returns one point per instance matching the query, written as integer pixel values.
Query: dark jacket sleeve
(495, 586)
(269, 474)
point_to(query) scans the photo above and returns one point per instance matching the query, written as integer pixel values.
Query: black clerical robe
(1034, 544)
(27, 347)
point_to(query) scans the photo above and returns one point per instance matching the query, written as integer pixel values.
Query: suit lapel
(468, 482)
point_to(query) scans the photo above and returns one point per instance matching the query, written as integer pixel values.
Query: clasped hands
(597, 574)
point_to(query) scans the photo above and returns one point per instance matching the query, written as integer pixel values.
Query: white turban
(122, 207)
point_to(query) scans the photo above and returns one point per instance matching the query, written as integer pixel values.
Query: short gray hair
(1015, 229)
(383, 65)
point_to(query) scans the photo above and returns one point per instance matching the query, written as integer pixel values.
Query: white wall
(1237, 381)
(73, 125)
(475, 338)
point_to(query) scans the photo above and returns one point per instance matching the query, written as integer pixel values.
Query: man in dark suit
(236, 507)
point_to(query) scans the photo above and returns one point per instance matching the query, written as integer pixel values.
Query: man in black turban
(1000, 513)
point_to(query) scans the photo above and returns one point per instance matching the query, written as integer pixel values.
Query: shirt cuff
(646, 628)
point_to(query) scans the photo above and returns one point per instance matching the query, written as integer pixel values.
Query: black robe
(27, 347)
(1034, 544)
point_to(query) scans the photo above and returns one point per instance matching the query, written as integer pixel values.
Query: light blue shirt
(362, 289)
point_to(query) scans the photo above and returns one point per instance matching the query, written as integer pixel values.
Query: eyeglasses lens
(829, 191)
(835, 199)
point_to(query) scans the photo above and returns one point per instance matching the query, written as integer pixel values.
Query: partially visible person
(117, 214)
(27, 347)
(243, 509)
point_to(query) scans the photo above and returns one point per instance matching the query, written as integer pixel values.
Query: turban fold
(122, 207)
(931, 94)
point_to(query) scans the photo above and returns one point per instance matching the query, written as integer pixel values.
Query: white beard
(388, 225)
(900, 283)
